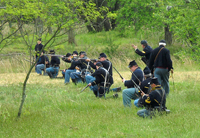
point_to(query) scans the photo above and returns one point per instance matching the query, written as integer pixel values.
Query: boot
(74, 81)
(83, 80)
(50, 75)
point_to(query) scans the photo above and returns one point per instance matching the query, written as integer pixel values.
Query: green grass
(53, 109)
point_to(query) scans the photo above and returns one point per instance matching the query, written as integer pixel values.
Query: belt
(162, 67)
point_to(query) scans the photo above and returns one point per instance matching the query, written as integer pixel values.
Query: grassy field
(53, 109)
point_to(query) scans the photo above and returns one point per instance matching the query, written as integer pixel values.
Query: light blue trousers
(39, 68)
(163, 78)
(143, 113)
(128, 94)
(53, 71)
(90, 79)
(67, 74)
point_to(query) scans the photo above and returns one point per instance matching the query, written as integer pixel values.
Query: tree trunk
(107, 25)
(168, 35)
(71, 36)
(39, 26)
(49, 30)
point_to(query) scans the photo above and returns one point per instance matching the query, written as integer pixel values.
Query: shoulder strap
(163, 93)
(158, 54)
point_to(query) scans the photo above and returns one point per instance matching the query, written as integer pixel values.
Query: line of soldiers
(145, 89)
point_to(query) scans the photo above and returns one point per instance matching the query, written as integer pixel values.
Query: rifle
(54, 55)
(136, 77)
(84, 88)
(136, 84)
(29, 61)
(131, 79)
(118, 73)
(94, 60)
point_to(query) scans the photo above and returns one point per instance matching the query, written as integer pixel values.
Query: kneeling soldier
(132, 91)
(52, 71)
(156, 98)
(100, 80)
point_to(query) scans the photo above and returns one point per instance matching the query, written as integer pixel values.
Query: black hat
(147, 71)
(102, 55)
(132, 63)
(75, 52)
(155, 81)
(162, 42)
(39, 39)
(51, 52)
(68, 54)
(143, 42)
(82, 52)
(99, 64)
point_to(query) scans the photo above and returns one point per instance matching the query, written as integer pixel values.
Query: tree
(61, 17)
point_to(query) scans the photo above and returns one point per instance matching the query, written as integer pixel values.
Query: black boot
(95, 93)
(83, 80)
(74, 81)
(50, 75)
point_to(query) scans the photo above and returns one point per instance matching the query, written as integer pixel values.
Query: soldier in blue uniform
(144, 86)
(72, 68)
(43, 61)
(156, 98)
(102, 77)
(105, 63)
(145, 53)
(84, 69)
(132, 92)
(160, 62)
(66, 59)
(52, 71)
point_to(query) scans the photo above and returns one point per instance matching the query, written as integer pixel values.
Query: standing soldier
(160, 62)
(38, 47)
(145, 53)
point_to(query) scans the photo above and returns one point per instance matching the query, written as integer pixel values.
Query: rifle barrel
(118, 73)
(84, 88)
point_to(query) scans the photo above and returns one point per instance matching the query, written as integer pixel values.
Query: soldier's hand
(89, 84)
(135, 47)
(77, 68)
(172, 71)
(142, 93)
(123, 80)
(88, 60)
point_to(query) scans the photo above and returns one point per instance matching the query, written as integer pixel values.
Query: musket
(94, 60)
(118, 73)
(29, 61)
(84, 88)
(136, 77)
(54, 55)
(135, 83)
